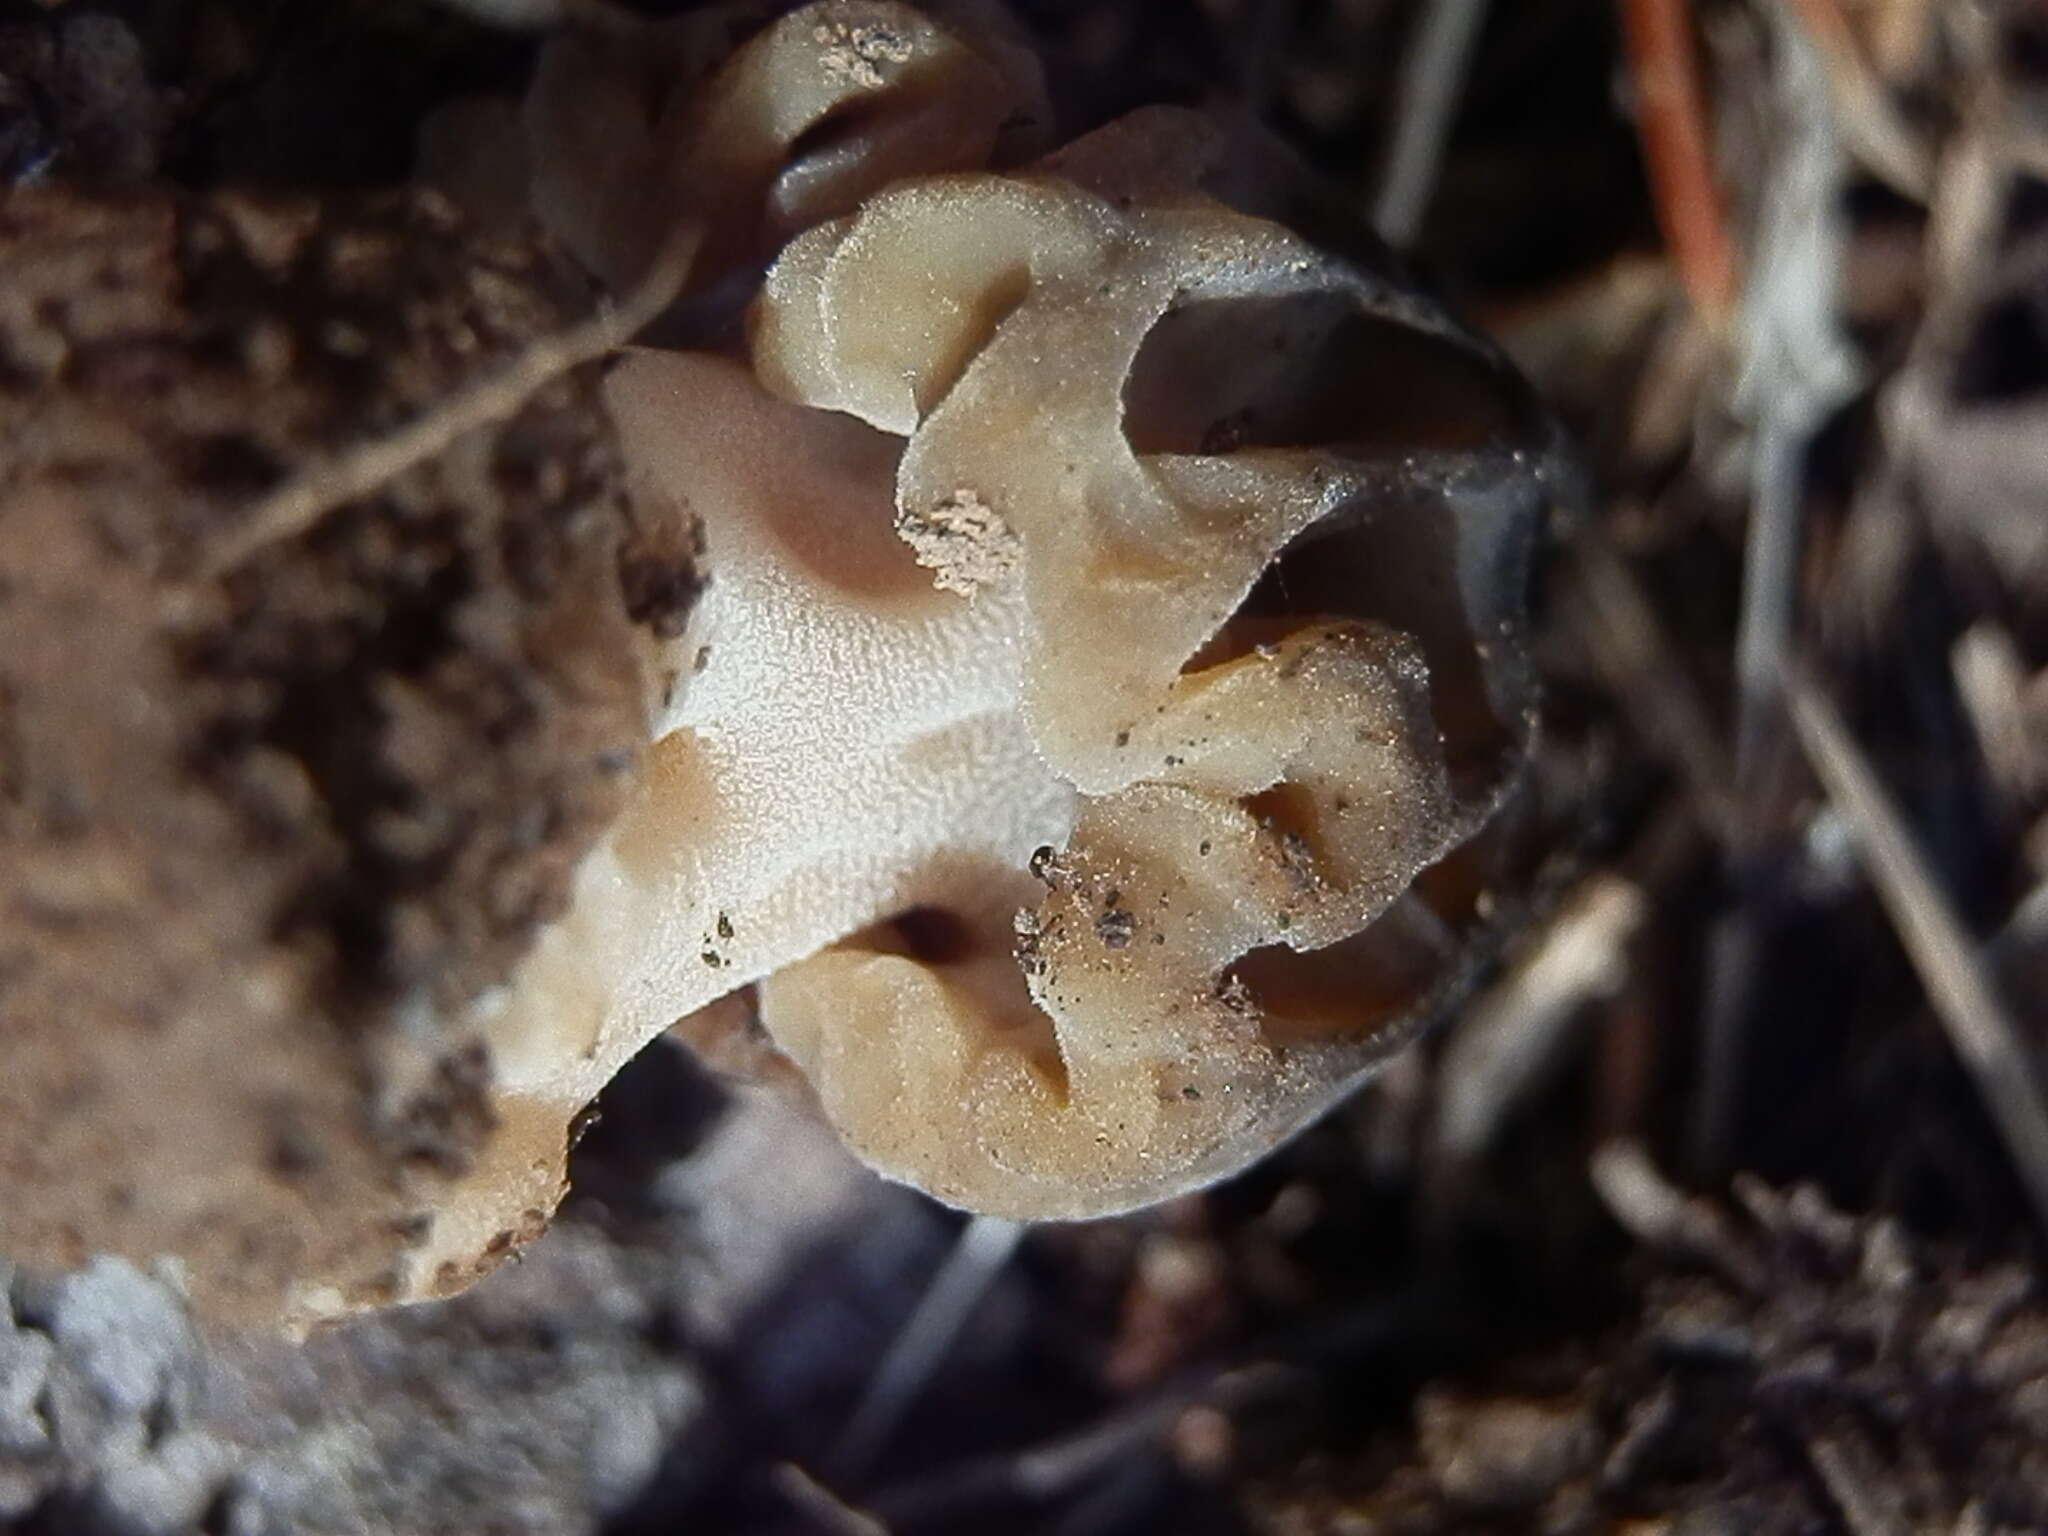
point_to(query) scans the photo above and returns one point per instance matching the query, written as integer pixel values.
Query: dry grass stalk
(1984, 1034)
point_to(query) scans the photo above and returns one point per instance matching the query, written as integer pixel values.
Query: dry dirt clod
(258, 836)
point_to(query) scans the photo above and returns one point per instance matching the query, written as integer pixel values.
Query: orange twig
(1671, 118)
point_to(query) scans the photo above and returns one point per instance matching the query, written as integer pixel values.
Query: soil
(262, 833)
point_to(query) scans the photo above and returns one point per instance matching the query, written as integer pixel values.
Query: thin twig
(1770, 591)
(1657, 1214)
(1851, 1474)
(302, 501)
(1982, 1032)
(1510, 1033)
(983, 1247)
(1734, 978)
(1634, 653)
(1671, 120)
(1883, 142)
(1797, 370)
(821, 1506)
(1432, 82)
(1040, 1473)
(1991, 685)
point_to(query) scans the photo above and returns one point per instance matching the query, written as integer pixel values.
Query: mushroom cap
(631, 133)
(1271, 516)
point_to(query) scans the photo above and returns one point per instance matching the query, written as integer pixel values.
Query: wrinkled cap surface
(1270, 517)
